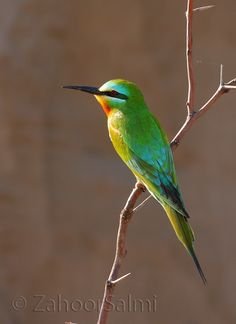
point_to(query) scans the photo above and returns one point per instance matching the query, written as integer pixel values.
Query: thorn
(228, 87)
(231, 83)
(113, 282)
(221, 75)
(204, 8)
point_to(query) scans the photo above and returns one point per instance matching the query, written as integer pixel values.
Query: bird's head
(115, 94)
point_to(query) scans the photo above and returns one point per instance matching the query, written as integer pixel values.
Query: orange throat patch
(105, 107)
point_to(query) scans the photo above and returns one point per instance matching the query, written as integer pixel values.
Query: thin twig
(142, 204)
(128, 211)
(222, 89)
(189, 57)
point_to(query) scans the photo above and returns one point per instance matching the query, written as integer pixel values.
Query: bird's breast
(116, 128)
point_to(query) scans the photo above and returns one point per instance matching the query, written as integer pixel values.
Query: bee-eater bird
(144, 147)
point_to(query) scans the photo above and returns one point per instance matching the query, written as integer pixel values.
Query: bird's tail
(185, 234)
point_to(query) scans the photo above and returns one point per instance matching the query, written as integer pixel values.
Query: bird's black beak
(95, 91)
(92, 90)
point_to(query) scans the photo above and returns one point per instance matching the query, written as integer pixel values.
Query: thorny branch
(222, 89)
(129, 209)
(125, 218)
(189, 58)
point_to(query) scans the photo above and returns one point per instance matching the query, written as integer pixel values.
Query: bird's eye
(114, 93)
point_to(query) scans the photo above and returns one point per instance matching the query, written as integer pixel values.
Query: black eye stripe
(115, 94)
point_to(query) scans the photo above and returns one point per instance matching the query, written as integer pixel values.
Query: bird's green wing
(151, 160)
(158, 183)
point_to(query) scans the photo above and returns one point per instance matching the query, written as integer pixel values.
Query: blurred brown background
(62, 186)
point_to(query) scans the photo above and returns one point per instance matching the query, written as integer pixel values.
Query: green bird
(142, 144)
